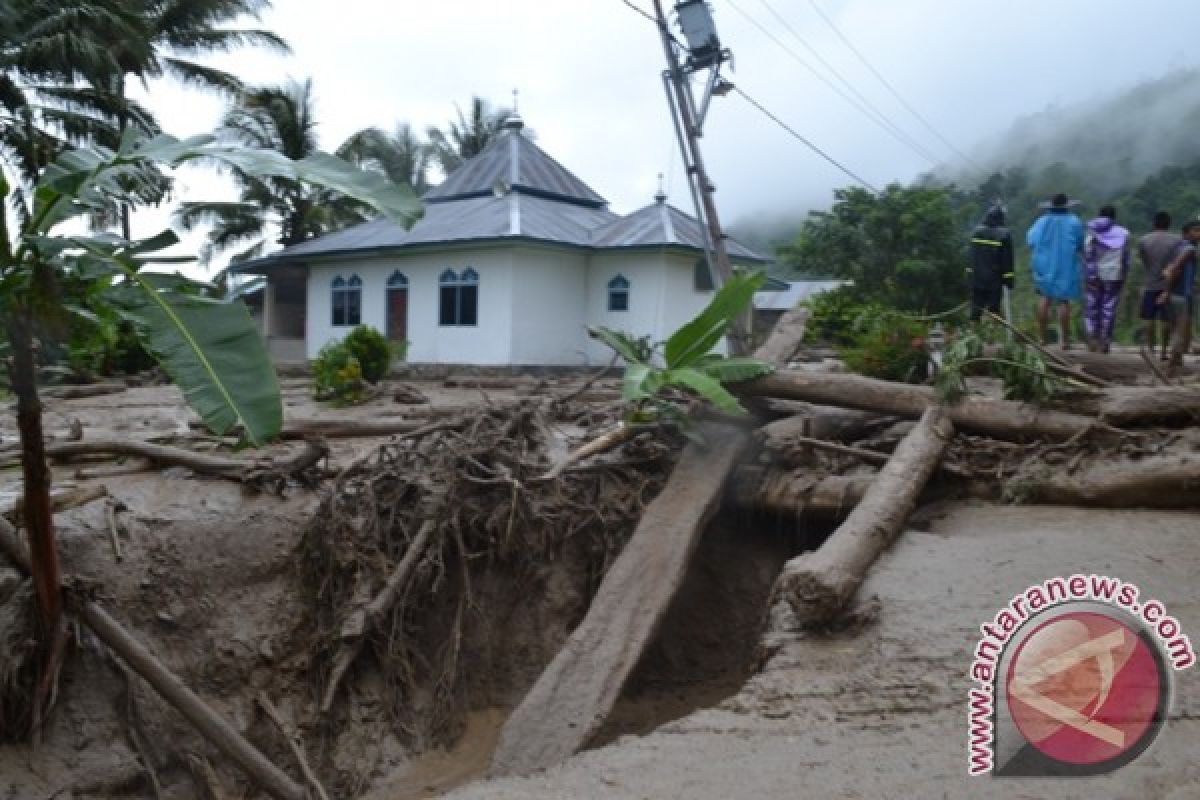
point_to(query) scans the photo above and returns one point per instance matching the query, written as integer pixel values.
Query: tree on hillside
(904, 247)
(466, 137)
(399, 155)
(282, 119)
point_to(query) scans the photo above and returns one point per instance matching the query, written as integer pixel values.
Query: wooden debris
(819, 585)
(999, 419)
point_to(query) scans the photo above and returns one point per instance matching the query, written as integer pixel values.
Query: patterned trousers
(1100, 309)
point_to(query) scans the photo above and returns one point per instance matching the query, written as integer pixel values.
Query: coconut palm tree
(400, 155)
(56, 70)
(467, 136)
(283, 119)
(64, 69)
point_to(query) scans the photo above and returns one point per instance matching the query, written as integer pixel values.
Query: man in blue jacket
(1057, 243)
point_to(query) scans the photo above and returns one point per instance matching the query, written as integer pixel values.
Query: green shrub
(343, 370)
(831, 316)
(338, 374)
(373, 351)
(889, 346)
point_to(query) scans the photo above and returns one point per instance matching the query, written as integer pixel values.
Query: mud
(880, 712)
(207, 580)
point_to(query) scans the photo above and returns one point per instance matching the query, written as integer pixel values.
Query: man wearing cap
(1057, 243)
(991, 267)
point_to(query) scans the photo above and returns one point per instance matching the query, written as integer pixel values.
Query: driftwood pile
(404, 533)
(862, 453)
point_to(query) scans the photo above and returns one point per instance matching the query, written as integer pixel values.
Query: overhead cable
(805, 141)
(863, 99)
(891, 130)
(891, 88)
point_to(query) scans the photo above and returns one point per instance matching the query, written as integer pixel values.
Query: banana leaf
(213, 352)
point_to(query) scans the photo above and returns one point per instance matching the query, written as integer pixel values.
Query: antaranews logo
(1073, 677)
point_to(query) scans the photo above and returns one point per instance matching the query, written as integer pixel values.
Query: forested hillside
(1137, 149)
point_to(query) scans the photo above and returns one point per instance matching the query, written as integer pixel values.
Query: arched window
(458, 298)
(397, 307)
(346, 301)
(618, 294)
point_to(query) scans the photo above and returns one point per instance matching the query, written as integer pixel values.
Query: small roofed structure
(544, 252)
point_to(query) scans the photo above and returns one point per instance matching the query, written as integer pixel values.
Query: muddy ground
(207, 579)
(881, 713)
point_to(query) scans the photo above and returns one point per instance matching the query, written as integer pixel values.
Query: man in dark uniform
(991, 267)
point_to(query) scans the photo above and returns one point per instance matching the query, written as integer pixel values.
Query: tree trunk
(574, 695)
(786, 337)
(998, 419)
(819, 585)
(1171, 482)
(823, 422)
(1134, 406)
(796, 493)
(36, 507)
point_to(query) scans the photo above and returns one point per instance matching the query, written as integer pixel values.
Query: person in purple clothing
(1106, 256)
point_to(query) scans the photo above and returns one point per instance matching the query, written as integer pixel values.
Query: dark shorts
(985, 299)
(1151, 310)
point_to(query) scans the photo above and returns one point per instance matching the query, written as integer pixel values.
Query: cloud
(589, 78)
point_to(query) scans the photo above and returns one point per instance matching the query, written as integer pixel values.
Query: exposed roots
(473, 497)
(18, 655)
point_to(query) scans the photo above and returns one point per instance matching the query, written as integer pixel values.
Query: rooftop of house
(512, 190)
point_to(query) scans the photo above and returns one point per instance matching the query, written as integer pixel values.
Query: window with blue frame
(618, 294)
(346, 300)
(458, 298)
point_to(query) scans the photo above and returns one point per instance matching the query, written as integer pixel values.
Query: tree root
(356, 625)
(261, 473)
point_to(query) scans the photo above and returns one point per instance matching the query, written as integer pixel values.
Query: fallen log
(798, 493)
(83, 390)
(61, 501)
(1162, 482)
(232, 468)
(218, 731)
(350, 428)
(999, 419)
(819, 585)
(786, 338)
(574, 695)
(822, 422)
(1132, 406)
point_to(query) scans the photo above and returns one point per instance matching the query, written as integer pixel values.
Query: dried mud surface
(207, 580)
(881, 712)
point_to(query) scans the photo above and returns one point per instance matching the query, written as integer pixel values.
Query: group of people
(1070, 258)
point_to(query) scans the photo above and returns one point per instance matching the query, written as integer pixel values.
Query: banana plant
(688, 362)
(212, 350)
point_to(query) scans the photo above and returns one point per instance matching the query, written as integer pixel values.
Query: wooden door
(397, 314)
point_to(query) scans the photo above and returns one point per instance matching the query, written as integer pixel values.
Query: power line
(882, 123)
(805, 141)
(641, 11)
(849, 86)
(787, 128)
(888, 85)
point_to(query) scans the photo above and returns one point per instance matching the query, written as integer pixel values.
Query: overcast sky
(588, 74)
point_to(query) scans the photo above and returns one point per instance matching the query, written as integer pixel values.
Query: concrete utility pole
(688, 126)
